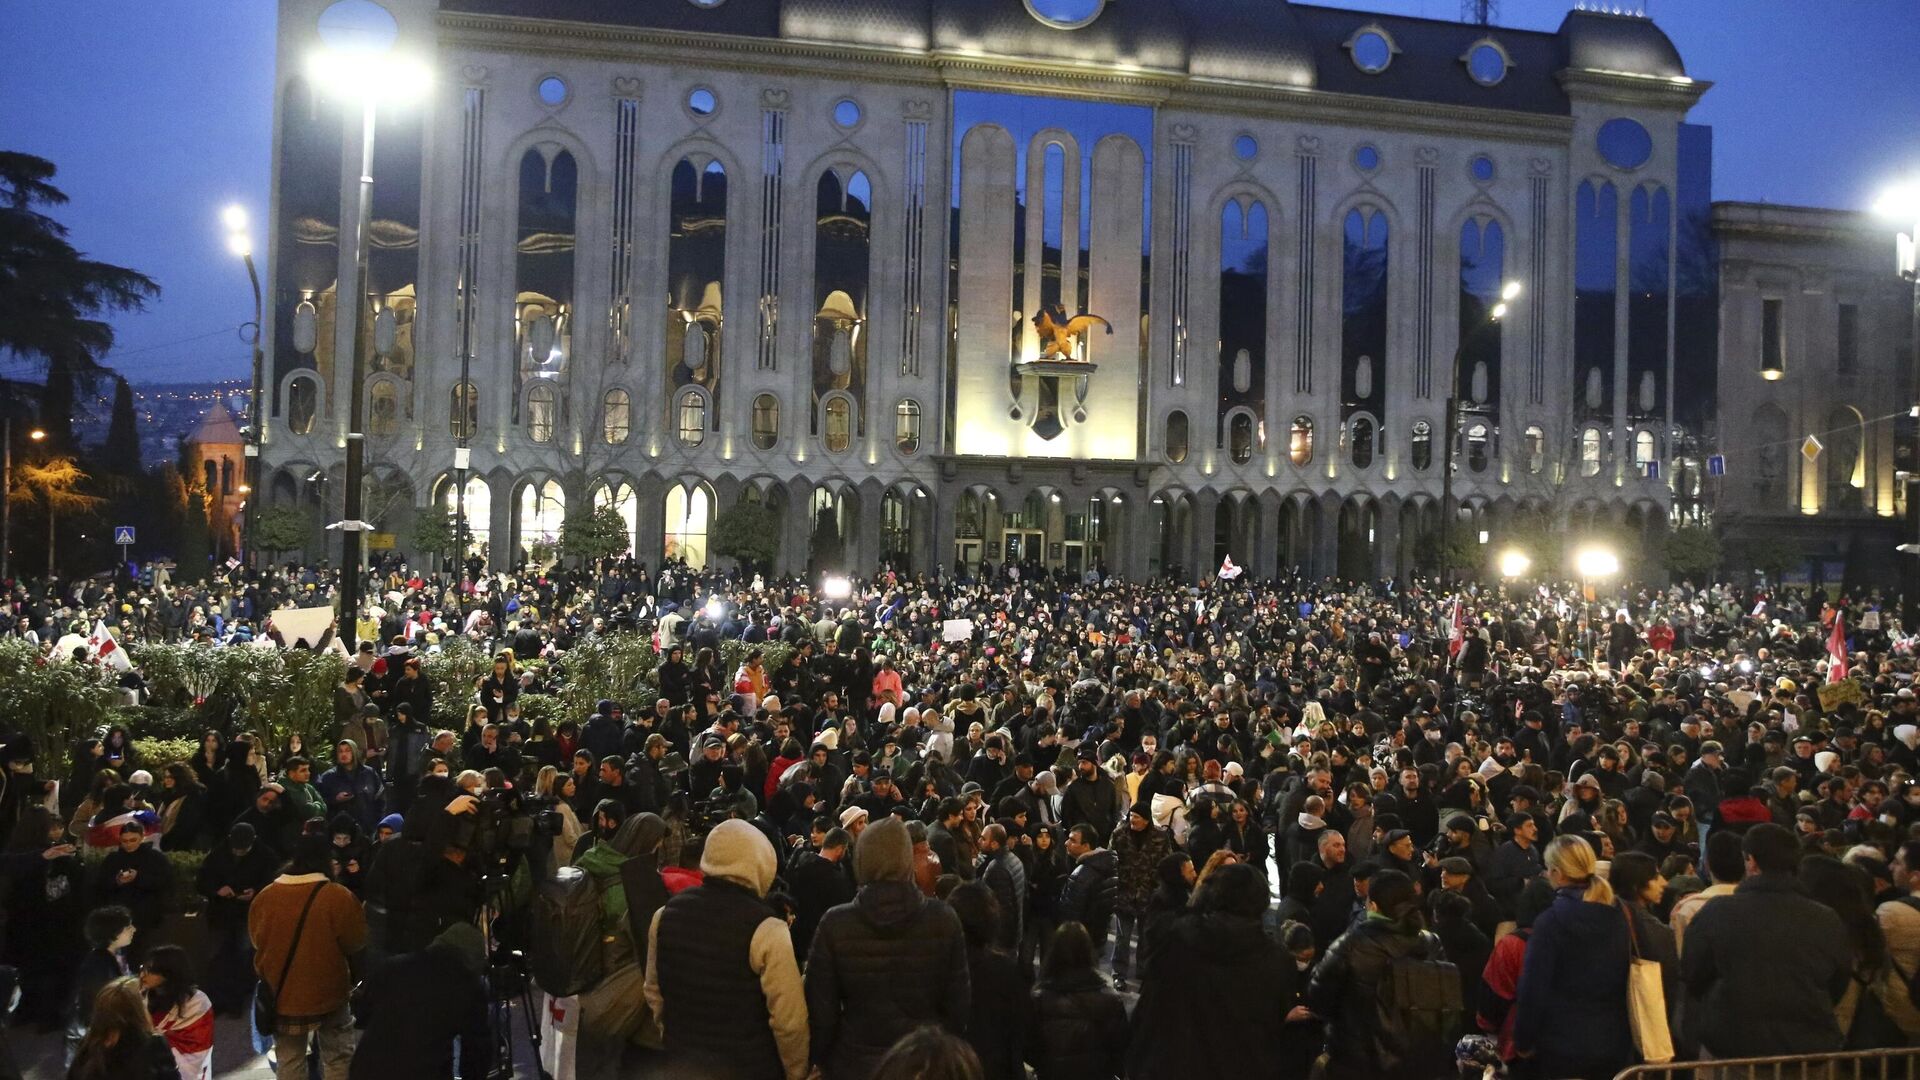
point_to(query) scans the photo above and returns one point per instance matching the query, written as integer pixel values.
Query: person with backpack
(1570, 1014)
(1195, 1016)
(608, 964)
(720, 976)
(1391, 999)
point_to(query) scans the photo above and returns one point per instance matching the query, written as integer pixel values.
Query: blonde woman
(551, 784)
(1571, 1013)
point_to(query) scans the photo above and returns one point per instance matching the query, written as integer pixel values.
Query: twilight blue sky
(158, 114)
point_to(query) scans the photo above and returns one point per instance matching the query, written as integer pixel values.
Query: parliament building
(1129, 285)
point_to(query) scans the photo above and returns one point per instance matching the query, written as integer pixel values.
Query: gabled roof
(217, 429)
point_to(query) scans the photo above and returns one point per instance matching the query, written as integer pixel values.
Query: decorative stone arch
(322, 400)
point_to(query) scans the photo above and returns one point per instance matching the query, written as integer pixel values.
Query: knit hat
(739, 853)
(1142, 810)
(884, 852)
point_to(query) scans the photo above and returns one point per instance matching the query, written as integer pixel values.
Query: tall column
(1205, 518)
(1326, 554)
(650, 520)
(1386, 538)
(796, 546)
(863, 557)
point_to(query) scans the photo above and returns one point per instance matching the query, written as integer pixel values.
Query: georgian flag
(1228, 571)
(106, 649)
(1837, 649)
(1456, 631)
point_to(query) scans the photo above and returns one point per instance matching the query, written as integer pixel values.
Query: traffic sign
(123, 534)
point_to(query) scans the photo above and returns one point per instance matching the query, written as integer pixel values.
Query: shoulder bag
(266, 1005)
(1646, 1001)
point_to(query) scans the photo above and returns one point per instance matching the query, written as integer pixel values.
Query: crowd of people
(976, 824)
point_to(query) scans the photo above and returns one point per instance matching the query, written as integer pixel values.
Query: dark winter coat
(1572, 1003)
(817, 885)
(879, 967)
(1767, 965)
(997, 1019)
(1007, 877)
(1090, 894)
(1195, 1016)
(1361, 1036)
(1079, 1029)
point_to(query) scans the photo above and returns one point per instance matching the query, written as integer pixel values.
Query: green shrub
(163, 721)
(614, 666)
(157, 754)
(452, 672)
(53, 702)
(542, 707)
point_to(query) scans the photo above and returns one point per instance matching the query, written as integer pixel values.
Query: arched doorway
(689, 513)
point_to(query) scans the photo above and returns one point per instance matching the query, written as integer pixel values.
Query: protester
(1079, 1025)
(306, 931)
(120, 1043)
(1364, 1040)
(407, 1034)
(180, 1012)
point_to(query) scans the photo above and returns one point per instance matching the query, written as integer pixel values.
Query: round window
(553, 90)
(1482, 169)
(1487, 63)
(846, 113)
(1372, 51)
(1245, 147)
(702, 102)
(1066, 14)
(1624, 143)
(1366, 159)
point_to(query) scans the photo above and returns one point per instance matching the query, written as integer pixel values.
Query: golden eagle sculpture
(1059, 333)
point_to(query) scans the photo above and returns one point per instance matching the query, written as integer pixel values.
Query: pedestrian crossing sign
(123, 534)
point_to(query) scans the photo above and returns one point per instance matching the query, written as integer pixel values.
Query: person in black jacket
(1079, 1029)
(406, 1033)
(997, 1017)
(231, 876)
(1176, 875)
(1003, 873)
(1092, 887)
(1768, 963)
(1363, 1040)
(109, 931)
(884, 964)
(818, 883)
(137, 877)
(1195, 1017)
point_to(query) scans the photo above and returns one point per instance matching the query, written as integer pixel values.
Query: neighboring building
(214, 460)
(1816, 340)
(688, 252)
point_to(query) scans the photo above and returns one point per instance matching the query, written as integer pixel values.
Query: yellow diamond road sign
(1811, 448)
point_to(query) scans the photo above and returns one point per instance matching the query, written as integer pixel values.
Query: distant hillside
(166, 413)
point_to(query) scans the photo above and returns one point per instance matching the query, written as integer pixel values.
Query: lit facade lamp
(240, 245)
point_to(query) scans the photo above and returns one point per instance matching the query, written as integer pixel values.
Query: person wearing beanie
(885, 964)
(406, 1033)
(721, 977)
(1138, 845)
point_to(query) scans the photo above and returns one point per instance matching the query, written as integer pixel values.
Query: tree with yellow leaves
(56, 485)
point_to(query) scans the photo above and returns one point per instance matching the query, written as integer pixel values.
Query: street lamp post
(365, 75)
(6, 484)
(1902, 205)
(241, 244)
(1508, 293)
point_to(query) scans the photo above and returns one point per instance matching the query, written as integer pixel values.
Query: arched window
(693, 417)
(1536, 440)
(303, 398)
(626, 502)
(212, 469)
(1177, 436)
(540, 402)
(1300, 441)
(1361, 434)
(543, 506)
(1477, 447)
(618, 418)
(464, 411)
(1422, 445)
(383, 409)
(766, 421)
(1590, 452)
(906, 426)
(838, 432)
(226, 476)
(1240, 438)
(687, 519)
(1642, 449)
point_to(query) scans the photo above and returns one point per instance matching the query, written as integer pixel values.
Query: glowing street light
(836, 587)
(36, 434)
(1514, 563)
(1596, 562)
(1510, 291)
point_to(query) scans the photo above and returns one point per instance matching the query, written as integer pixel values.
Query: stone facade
(1816, 340)
(687, 253)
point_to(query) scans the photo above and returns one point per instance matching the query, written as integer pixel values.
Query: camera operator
(400, 914)
(412, 1007)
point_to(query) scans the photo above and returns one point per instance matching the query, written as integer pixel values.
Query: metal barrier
(1902, 1063)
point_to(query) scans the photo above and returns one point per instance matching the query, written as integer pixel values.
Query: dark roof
(1428, 66)
(749, 18)
(1595, 41)
(1259, 41)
